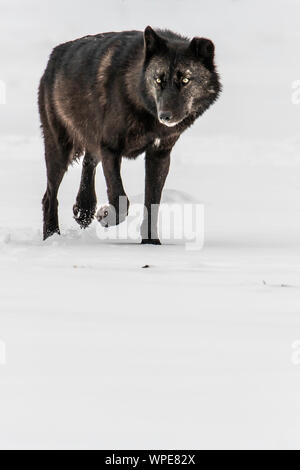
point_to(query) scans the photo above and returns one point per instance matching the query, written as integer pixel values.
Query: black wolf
(117, 95)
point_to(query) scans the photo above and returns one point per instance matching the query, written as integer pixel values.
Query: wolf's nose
(165, 116)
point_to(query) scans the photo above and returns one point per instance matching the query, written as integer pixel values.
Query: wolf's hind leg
(57, 154)
(85, 207)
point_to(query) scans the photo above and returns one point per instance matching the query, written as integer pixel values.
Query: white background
(196, 351)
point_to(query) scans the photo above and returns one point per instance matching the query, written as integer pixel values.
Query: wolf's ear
(153, 42)
(204, 50)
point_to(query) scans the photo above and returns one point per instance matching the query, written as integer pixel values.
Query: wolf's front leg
(157, 169)
(116, 211)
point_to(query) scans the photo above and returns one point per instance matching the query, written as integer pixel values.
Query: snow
(201, 349)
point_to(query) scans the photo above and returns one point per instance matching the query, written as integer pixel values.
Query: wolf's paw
(150, 241)
(50, 230)
(83, 215)
(108, 217)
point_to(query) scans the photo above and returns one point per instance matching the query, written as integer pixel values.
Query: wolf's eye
(158, 80)
(185, 80)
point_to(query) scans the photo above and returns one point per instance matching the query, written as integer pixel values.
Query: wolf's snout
(165, 116)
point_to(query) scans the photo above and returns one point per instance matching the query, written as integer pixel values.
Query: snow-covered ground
(201, 349)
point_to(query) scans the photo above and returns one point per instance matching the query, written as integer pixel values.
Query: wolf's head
(179, 76)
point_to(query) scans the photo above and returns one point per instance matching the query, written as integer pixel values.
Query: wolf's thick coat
(117, 95)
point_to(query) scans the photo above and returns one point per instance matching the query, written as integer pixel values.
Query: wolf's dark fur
(117, 95)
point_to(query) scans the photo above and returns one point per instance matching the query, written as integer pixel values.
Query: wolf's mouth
(172, 122)
(168, 123)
